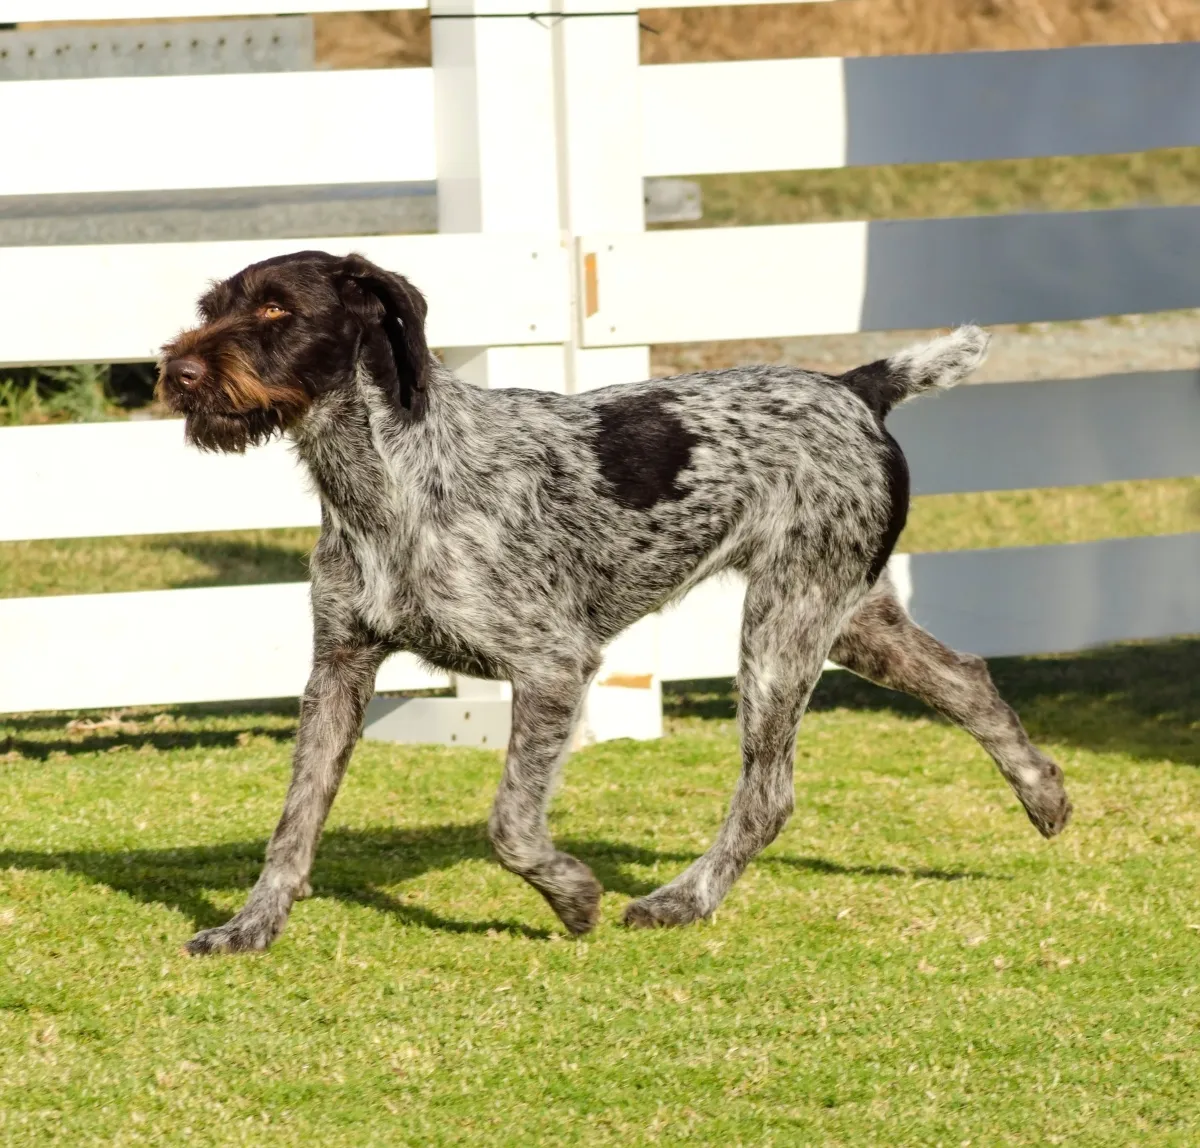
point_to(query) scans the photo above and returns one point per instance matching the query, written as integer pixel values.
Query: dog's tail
(935, 365)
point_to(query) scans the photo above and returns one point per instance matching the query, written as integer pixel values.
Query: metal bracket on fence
(672, 201)
(281, 44)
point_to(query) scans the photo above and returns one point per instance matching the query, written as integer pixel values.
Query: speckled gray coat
(511, 534)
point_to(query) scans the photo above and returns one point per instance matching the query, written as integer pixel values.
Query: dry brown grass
(893, 27)
(373, 39)
(844, 28)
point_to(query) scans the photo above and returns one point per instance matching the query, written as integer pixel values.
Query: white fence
(539, 135)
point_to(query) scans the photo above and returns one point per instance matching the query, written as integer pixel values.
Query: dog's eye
(271, 311)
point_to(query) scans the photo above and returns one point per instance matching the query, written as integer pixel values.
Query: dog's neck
(359, 449)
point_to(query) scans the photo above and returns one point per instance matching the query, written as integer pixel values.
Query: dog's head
(283, 332)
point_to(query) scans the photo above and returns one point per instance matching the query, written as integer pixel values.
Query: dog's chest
(380, 583)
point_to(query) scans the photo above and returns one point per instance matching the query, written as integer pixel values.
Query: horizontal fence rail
(1050, 599)
(47, 11)
(778, 115)
(159, 133)
(826, 278)
(92, 650)
(17, 11)
(141, 479)
(696, 118)
(118, 303)
(1061, 432)
(997, 603)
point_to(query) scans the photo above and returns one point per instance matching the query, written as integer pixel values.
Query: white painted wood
(98, 479)
(497, 168)
(764, 282)
(76, 479)
(1088, 594)
(119, 303)
(778, 115)
(496, 368)
(752, 115)
(1059, 432)
(1057, 599)
(151, 133)
(494, 121)
(93, 11)
(700, 636)
(97, 650)
(497, 164)
(626, 698)
(601, 188)
(726, 283)
(987, 105)
(440, 721)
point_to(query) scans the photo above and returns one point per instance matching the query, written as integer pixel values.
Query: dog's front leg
(331, 715)
(545, 711)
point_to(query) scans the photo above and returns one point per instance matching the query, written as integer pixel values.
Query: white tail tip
(944, 361)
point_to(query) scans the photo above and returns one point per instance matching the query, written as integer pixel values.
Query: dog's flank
(512, 534)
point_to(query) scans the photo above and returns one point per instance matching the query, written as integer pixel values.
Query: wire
(543, 19)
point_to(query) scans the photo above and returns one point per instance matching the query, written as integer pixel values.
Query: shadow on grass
(358, 865)
(99, 732)
(609, 860)
(1138, 699)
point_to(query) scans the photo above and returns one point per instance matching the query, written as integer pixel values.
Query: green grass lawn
(909, 964)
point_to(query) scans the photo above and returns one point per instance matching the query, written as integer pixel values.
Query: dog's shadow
(359, 866)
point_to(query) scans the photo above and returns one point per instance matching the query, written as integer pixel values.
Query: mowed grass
(909, 963)
(1167, 177)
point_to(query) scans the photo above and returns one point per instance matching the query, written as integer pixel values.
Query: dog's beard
(231, 433)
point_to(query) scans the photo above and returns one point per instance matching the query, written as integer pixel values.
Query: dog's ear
(379, 298)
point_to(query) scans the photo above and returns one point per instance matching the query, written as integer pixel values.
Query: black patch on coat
(641, 446)
(877, 385)
(896, 469)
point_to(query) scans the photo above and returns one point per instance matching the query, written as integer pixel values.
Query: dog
(511, 534)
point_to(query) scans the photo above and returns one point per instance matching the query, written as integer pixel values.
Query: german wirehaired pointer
(511, 534)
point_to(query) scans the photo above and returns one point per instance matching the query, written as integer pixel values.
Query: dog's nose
(187, 372)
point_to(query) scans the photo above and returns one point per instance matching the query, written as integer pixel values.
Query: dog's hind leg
(331, 715)
(545, 709)
(881, 642)
(786, 634)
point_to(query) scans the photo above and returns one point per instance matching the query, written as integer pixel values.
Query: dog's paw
(575, 895)
(663, 908)
(1050, 813)
(1045, 798)
(240, 935)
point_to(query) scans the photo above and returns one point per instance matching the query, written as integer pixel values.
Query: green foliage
(55, 394)
(82, 392)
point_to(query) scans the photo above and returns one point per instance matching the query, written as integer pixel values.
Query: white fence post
(533, 125)
(599, 109)
(497, 171)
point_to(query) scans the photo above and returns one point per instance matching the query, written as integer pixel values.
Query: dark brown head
(283, 332)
